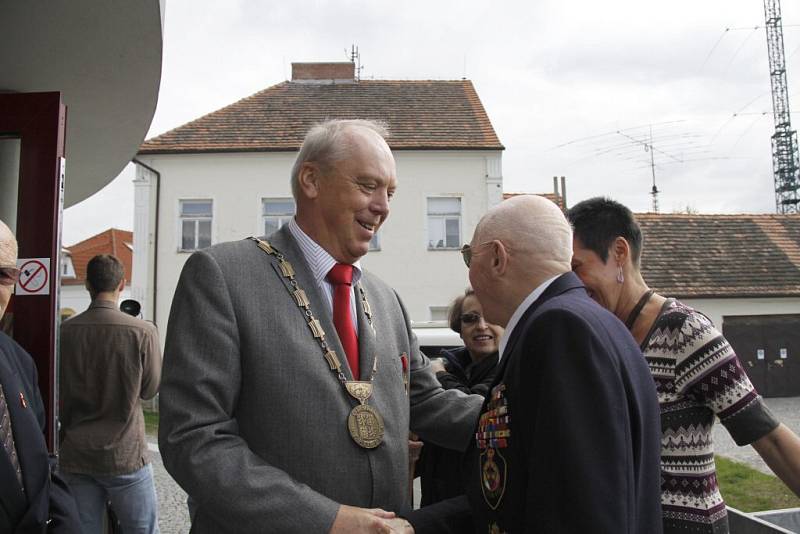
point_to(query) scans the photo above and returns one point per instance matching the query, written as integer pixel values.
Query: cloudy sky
(573, 88)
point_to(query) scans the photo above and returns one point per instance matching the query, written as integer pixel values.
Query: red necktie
(341, 277)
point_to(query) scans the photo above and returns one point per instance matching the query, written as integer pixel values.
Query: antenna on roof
(355, 57)
(648, 147)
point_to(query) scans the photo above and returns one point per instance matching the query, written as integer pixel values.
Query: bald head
(534, 229)
(518, 245)
(8, 246)
(8, 258)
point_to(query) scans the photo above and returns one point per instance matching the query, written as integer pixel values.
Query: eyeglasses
(466, 251)
(9, 275)
(470, 318)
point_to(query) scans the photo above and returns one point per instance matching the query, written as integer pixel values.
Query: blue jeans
(132, 496)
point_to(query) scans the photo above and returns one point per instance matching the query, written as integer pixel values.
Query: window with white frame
(275, 212)
(195, 221)
(444, 222)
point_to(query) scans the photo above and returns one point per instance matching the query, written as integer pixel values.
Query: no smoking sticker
(34, 276)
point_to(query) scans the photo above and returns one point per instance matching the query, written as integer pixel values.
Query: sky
(573, 88)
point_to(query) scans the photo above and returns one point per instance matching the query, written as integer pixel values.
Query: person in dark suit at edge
(33, 497)
(568, 439)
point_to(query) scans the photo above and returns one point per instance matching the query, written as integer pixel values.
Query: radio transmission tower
(785, 164)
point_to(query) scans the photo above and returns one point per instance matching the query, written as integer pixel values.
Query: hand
(400, 526)
(353, 519)
(437, 365)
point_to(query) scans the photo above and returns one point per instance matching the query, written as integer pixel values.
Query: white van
(433, 336)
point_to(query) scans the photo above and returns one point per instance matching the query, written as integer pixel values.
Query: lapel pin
(22, 400)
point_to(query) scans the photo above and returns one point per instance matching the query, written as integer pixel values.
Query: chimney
(324, 73)
(563, 193)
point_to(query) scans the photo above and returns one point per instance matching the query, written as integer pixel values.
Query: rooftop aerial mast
(785, 164)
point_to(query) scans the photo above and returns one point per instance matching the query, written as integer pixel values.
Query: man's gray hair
(328, 142)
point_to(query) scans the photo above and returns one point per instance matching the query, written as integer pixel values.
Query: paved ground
(174, 517)
(786, 409)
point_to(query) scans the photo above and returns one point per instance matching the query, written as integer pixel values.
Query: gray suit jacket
(253, 421)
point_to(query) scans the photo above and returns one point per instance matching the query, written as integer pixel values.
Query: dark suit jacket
(46, 498)
(583, 450)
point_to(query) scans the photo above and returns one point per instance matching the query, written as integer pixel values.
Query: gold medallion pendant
(364, 422)
(366, 426)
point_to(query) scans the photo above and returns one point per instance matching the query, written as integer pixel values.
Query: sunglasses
(470, 318)
(9, 275)
(466, 252)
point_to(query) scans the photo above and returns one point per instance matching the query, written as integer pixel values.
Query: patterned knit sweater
(698, 376)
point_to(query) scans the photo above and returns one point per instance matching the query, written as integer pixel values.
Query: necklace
(638, 309)
(364, 422)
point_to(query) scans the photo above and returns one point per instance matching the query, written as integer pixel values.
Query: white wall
(425, 277)
(717, 309)
(144, 227)
(237, 182)
(77, 298)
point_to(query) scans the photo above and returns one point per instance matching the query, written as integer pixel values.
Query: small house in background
(74, 297)
(743, 272)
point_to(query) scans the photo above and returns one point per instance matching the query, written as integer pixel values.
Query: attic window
(67, 269)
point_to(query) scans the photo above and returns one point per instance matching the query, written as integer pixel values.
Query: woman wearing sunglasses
(698, 376)
(471, 369)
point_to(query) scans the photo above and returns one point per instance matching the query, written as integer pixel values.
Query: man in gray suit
(291, 377)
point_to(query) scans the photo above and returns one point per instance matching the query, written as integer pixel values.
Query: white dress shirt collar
(319, 260)
(517, 315)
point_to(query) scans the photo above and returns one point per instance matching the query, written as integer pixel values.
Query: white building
(225, 176)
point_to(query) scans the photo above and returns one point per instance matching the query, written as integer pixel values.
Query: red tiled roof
(709, 256)
(556, 199)
(420, 114)
(112, 241)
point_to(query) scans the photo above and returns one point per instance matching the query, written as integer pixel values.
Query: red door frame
(39, 121)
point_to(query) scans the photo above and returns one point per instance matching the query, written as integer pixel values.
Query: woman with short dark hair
(697, 373)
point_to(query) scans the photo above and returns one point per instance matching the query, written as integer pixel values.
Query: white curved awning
(105, 58)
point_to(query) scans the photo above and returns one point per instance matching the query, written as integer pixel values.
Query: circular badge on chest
(366, 426)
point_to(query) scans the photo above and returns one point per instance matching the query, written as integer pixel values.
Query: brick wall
(323, 71)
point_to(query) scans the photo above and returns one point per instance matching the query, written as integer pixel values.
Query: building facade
(225, 176)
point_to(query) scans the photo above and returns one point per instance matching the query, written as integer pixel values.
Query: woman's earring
(620, 276)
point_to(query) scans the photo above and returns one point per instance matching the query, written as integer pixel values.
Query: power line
(613, 132)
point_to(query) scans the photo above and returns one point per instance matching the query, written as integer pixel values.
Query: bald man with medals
(291, 376)
(569, 437)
